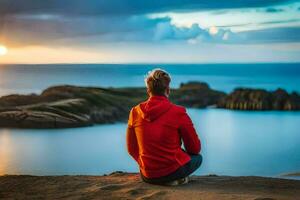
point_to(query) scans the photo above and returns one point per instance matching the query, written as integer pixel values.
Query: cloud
(264, 36)
(77, 22)
(167, 31)
(116, 28)
(122, 7)
(274, 10)
(279, 21)
(55, 30)
(235, 25)
(263, 24)
(271, 35)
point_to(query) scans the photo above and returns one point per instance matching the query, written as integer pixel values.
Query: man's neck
(167, 96)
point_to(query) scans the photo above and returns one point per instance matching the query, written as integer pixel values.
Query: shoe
(181, 181)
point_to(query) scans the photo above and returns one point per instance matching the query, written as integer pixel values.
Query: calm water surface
(225, 77)
(233, 142)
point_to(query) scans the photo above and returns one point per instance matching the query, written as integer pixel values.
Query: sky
(149, 31)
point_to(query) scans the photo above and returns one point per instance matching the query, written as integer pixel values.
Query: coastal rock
(196, 94)
(45, 115)
(37, 119)
(257, 99)
(64, 107)
(73, 106)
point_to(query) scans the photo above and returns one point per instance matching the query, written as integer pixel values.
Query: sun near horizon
(160, 32)
(3, 50)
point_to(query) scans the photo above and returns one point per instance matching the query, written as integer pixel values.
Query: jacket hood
(154, 107)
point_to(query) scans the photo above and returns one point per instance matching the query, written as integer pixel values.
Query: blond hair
(157, 81)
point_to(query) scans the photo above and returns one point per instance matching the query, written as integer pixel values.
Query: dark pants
(182, 172)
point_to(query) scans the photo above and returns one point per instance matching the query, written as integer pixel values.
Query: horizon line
(154, 63)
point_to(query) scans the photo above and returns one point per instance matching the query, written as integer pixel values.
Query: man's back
(156, 128)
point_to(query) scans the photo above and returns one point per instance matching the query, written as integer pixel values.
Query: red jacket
(155, 130)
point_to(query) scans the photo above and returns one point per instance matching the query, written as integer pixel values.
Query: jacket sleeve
(132, 145)
(189, 136)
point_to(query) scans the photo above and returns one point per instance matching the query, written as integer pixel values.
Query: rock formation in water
(196, 94)
(72, 106)
(255, 99)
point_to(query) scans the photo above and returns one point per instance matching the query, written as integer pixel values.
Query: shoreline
(120, 185)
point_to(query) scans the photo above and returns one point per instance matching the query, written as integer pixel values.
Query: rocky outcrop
(65, 107)
(196, 94)
(46, 115)
(254, 99)
(72, 106)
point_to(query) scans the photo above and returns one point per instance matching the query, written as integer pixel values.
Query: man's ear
(168, 90)
(148, 92)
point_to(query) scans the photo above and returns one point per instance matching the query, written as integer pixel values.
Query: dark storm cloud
(52, 29)
(53, 22)
(122, 7)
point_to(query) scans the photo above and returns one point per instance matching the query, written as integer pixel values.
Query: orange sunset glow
(3, 50)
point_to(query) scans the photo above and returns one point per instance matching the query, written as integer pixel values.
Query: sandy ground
(129, 186)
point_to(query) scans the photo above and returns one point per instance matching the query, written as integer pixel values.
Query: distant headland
(69, 106)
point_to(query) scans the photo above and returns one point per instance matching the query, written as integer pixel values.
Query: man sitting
(156, 130)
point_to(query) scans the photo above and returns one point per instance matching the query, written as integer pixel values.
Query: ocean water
(225, 77)
(233, 142)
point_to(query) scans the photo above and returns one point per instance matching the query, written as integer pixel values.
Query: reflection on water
(5, 151)
(92, 150)
(234, 143)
